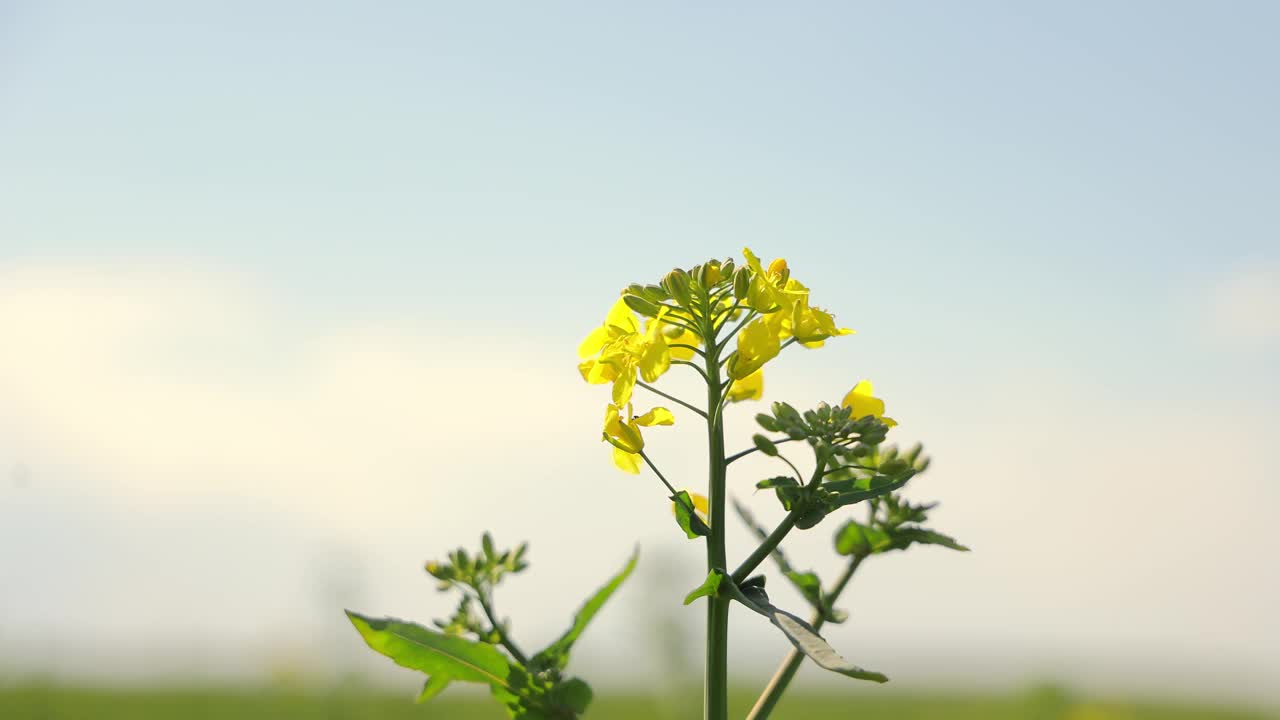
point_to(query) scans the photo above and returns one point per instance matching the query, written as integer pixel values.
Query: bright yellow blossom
(750, 387)
(861, 401)
(624, 351)
(811, 326)
(757, 345)
(625, 435)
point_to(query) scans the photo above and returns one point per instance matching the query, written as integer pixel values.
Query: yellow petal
(750, 387)
(862, 403)
(656, 416)
(757, 345)
(701, 504)
(621, 317)
(626, 462)
(594, 342)
(623, 385)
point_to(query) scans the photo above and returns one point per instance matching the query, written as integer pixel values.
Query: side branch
(748, 451)
(672, 398)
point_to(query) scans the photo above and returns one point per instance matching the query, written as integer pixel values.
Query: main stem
(716, 690)
(787, 670)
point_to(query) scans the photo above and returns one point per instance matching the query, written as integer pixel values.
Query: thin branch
(502, 632)
(672, 398)
(658, 472)
(692, 365)
(748, 451)
(765, 548)
(688, 347)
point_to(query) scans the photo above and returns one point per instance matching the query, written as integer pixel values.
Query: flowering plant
(725, 323)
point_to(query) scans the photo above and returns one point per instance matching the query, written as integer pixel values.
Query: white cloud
(179, 382)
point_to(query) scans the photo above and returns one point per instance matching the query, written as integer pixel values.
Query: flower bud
(710, 275)
(741, 283)
(640, 305)
(676, 283)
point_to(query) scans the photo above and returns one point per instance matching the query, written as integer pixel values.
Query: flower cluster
(681, 319)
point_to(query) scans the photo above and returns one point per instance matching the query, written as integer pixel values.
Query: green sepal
(686, 516)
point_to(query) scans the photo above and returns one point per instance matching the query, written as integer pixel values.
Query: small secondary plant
(724, 323)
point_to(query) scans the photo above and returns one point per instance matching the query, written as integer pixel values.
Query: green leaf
(809, 586)
(709, 587)
(779, 481)
(802, 635)
(849, 498)
(573, 694)
(443, 657)
(557, 654)
(902, 537)
(690, 523)
(433, 687)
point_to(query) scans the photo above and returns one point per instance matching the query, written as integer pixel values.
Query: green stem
(787, 670)
(770, 543)
(716, 689)
(502, 633)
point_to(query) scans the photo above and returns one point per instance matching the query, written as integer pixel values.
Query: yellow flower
(757, 345)
(811, 326)
(624, 351)
(619, 322)
(750, 387)
(764, 294)
(861, 401)
(625, 435)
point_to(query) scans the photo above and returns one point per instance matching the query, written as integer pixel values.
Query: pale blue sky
(1052, 226)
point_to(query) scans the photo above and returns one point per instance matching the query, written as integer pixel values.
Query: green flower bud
(640, 305)
(765, 445)
(741, 283)
(676, 283)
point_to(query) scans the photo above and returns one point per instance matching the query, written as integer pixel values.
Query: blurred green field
(58, 703)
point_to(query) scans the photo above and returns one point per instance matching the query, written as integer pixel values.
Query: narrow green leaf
(777, 482)
(709, 587)
(902, 537)
(850, 498)
(802, 635)
(687, 518)
(417, 648)
(557, 654)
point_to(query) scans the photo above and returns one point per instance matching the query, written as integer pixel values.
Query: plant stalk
(716, 688)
